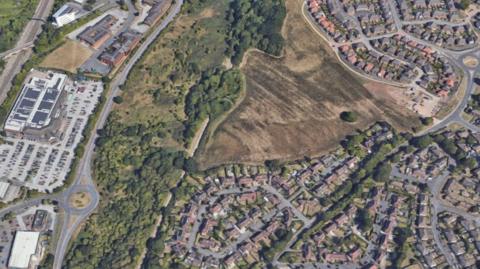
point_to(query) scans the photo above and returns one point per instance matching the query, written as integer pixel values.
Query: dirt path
(198, 137)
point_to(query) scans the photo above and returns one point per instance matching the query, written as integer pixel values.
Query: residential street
(83, 181)
(455, 115)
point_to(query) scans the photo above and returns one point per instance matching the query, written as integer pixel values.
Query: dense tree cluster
(214, 95)
(133, 174)
(156, 245)
(255, 24)
(367, 168)
(132, 185)
(450, 147)
(13, 20)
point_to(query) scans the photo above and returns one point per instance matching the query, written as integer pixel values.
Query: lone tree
(118, 99)
(364, 220)
(348, 116)
(422, 142)
(427, 121)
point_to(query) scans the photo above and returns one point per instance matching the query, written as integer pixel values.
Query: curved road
(83, 179)
(85, 163)
(455, 115)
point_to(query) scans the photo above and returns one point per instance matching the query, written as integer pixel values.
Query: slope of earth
(293, 103)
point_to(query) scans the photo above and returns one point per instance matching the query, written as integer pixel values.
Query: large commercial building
(35, 113)
(25, 246)
(66, 14)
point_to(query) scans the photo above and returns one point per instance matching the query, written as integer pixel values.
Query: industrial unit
(38, 107)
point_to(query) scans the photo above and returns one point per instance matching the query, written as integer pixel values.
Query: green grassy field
(14, 15)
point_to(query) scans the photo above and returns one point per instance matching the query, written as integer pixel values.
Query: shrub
(427, 121)
(348, 116)
(118, 99)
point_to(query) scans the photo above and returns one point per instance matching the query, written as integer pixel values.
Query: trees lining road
(84, 171)
(83, 179)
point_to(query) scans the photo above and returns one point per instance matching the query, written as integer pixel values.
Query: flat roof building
(24, 247)
(3, 189)
(66, 14)
(37, 104)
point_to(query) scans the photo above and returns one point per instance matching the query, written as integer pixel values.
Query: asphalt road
(85, 163)
(83, 179)
(455, 116)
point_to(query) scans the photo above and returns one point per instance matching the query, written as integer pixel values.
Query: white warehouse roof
(3, 189)
(66, 14)
(24, 246)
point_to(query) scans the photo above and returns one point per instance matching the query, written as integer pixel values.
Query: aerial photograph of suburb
(240, 134)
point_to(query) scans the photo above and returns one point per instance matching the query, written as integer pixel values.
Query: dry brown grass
(80, 200)
(292, 104)
(470, 61)
(68, 57)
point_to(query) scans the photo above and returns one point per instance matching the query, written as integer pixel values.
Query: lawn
(69, 57)
(14, 15)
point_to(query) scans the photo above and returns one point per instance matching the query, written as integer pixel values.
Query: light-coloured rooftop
(35, 104)
(24, 246)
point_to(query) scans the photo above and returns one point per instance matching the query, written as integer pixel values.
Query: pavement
(455, 116)
(84, 169)
(83, 178)
(74, 217)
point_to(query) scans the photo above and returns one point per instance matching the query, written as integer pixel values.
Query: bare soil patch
(68, 57)
(292, 103)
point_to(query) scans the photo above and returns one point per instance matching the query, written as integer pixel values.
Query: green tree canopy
(349, 116)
